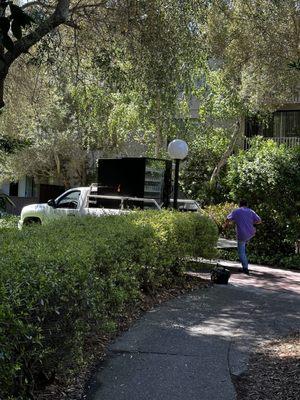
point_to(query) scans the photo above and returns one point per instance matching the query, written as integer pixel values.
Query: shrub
(59, 282)
(205, 151)
(291, 262)
(8, 222)
(267, 176)
(266, 173)
(218, 214)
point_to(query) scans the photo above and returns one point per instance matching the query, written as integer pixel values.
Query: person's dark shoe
(246, 271)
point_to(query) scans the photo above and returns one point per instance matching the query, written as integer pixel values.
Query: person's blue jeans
(242, 254)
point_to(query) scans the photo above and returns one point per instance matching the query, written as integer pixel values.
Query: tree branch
(36, 3)
(84, 6)
(59, 16)
(228, 152)
(72, 24)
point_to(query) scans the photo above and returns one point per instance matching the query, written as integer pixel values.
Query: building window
(29, 186)
(255, 126)
(280, 124)
(287, 123)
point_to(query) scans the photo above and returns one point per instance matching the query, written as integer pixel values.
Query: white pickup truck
(82, 201)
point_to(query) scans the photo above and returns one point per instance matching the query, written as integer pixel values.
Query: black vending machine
(136, 177)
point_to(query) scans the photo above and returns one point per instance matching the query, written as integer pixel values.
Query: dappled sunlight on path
(261, 277)
(268, 279)
(192, 346)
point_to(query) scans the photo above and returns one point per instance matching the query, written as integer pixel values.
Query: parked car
(186, 205)
(83, 201)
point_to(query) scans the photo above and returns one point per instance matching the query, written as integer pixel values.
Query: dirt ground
(274, 372)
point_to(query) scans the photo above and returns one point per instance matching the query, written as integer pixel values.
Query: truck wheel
(32, 221)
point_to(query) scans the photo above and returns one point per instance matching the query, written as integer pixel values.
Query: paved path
(189, 347)
(226, 243)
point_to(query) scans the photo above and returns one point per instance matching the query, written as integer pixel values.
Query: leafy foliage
(61, 134)
(110, 88)
(267, 175)
(258, 45)
(205, 150)
(8, 222)
(291, 262)
(218, 214)
(60, 281)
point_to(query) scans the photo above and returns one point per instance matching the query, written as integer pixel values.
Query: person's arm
(229, 221)
(256, 218)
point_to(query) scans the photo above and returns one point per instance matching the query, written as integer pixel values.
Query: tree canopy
(258, 45)
(105, 72)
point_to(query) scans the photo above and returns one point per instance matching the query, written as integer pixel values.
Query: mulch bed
(74, 386)
(274, 372)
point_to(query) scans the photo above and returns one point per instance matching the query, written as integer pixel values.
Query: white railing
(289, 141)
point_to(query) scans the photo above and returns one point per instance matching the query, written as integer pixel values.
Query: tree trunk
(236, 134)
(2, 79)
(159, 128)
(159, 142)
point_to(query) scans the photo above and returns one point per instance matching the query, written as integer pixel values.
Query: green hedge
(291, 262)
(262, 249)
(8, 222)
(267, 176)
(61, 281)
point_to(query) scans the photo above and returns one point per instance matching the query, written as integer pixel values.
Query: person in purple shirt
(244, 219)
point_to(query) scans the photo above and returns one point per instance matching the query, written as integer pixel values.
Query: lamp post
(177, 150)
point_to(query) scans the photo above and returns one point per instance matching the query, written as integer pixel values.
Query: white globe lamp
(177, 150)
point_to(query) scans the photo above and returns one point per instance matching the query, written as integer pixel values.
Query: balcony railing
(289, 141)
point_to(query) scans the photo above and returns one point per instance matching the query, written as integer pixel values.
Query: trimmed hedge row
(8, 222)
(61, 281)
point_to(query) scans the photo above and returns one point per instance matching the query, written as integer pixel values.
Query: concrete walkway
(191, 347)
(226, 243)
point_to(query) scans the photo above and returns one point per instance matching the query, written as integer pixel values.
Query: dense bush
(267, 175)
(205, 151)
(291, 262)
(218, 214)
(60, 281)
(8, 222)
